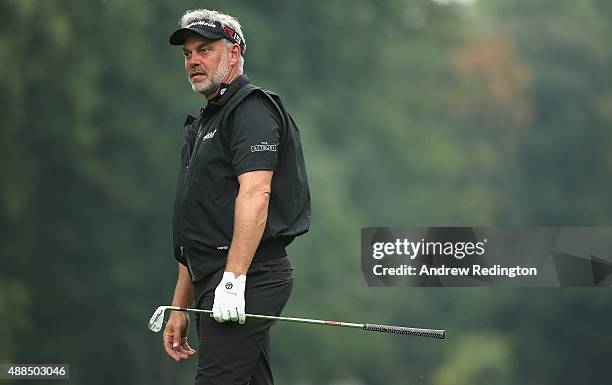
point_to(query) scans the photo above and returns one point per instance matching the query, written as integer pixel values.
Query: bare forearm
(183, 293)
(251, 213)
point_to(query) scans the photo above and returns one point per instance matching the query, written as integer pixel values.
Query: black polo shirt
(244, 129)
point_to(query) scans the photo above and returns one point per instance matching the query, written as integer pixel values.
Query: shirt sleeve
(255, 135)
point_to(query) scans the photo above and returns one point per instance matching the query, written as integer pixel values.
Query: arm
(175, 333)
(250, 215)
(183, 293)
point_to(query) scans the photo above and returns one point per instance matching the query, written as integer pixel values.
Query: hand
(229, 299)
(175, 336)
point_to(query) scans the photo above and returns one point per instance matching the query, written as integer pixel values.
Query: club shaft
(434, 333)
(278, 318)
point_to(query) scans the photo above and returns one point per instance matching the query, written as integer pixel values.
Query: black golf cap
(210, 30)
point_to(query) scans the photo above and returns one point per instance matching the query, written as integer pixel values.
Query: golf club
(157, 320)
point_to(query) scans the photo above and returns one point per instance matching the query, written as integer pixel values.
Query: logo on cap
(229, 31)
(206, 23)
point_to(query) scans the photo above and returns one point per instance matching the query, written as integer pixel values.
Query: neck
(230, 78)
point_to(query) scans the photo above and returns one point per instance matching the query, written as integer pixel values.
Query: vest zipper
(180, 198)
(195, 150)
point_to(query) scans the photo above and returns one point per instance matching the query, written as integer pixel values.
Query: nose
(191, 62)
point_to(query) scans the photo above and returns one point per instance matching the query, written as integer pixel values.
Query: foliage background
(412, 112)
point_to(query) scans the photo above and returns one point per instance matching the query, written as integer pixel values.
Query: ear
(234, 54)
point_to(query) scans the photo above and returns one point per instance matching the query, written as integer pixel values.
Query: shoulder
(256, 99)
(257, 105)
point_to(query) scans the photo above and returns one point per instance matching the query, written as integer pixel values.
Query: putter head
(157, 320)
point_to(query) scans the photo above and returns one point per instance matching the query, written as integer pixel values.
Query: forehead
(194, 40)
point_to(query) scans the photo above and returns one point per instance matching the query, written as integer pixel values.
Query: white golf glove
(229, 299)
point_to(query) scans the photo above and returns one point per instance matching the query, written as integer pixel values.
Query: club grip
(432, 333)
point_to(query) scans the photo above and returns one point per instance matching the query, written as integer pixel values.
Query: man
(242, 196)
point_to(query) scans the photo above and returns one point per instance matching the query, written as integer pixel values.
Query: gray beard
(210, 86)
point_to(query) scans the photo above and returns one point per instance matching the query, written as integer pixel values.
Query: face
(207, 63)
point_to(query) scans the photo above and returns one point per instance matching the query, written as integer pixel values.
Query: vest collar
(227, 90)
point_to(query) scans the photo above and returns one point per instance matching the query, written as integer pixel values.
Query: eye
(204, 50)
(186, 55)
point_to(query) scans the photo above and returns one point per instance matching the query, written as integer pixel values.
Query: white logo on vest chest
(209, 135)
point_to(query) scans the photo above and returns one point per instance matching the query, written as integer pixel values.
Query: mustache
(197, 72)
